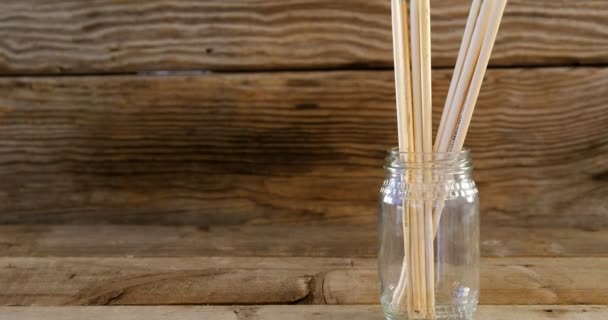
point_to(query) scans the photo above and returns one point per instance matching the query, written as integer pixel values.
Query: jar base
(392, 317)
(464, 312)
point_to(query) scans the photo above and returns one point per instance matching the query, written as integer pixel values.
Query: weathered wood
(38, 36)
(149, 281)
(353, 312)
(503, 281)
(277, 240)
(289, 148)
(534, 240)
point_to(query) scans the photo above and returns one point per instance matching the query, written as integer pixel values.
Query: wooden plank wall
(231, 113)
(102, 36)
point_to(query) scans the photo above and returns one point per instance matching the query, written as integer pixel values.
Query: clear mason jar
(428, 260)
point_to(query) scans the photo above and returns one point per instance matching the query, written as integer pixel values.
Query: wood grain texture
(277, 240)
(64, 36)
(353, 312)
(154, 281)
(287, 148)
(508, 281)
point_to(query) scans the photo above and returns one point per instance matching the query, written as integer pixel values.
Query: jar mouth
(395, 152)
(457, 161)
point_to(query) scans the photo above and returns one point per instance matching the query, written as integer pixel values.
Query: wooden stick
(411, 274)
(465, 78)
(445, 141)
(416, 77)
(404, 108)
(480, 70)
(464, 48)
(414, 107)
(411, 150)
(425, 77)
(418, 265)
(403, 99)
(402, 71)
(427, 148)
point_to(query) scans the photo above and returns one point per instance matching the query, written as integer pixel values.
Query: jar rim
(456, 162)
(464, 152)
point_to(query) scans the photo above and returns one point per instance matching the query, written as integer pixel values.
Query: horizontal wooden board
(287, 148)
(150, 281)
(38, 36)
(353, 312)
(277, 240)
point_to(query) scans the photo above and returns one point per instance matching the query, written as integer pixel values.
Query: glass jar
(428, 260)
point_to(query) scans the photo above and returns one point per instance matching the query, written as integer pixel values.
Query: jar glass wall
(429, 237)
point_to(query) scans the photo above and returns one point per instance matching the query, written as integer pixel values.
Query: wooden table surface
(279, 271)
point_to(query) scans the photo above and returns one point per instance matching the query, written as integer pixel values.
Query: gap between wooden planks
(350, 239)
(351, 312)
(217, 280)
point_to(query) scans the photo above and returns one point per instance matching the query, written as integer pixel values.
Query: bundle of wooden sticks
(412, 55)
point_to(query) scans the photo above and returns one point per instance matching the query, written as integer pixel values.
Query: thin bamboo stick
(411, 213)
(464, 48)
(417, 239)
(446, 143)
(411, 275)
(414, 107)
(478, 17)
(403, 101)
(418, 264)
(443, 141)
(425, 77)
(427, 148)
(416, 75)
(480, 71)
(402, 71)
